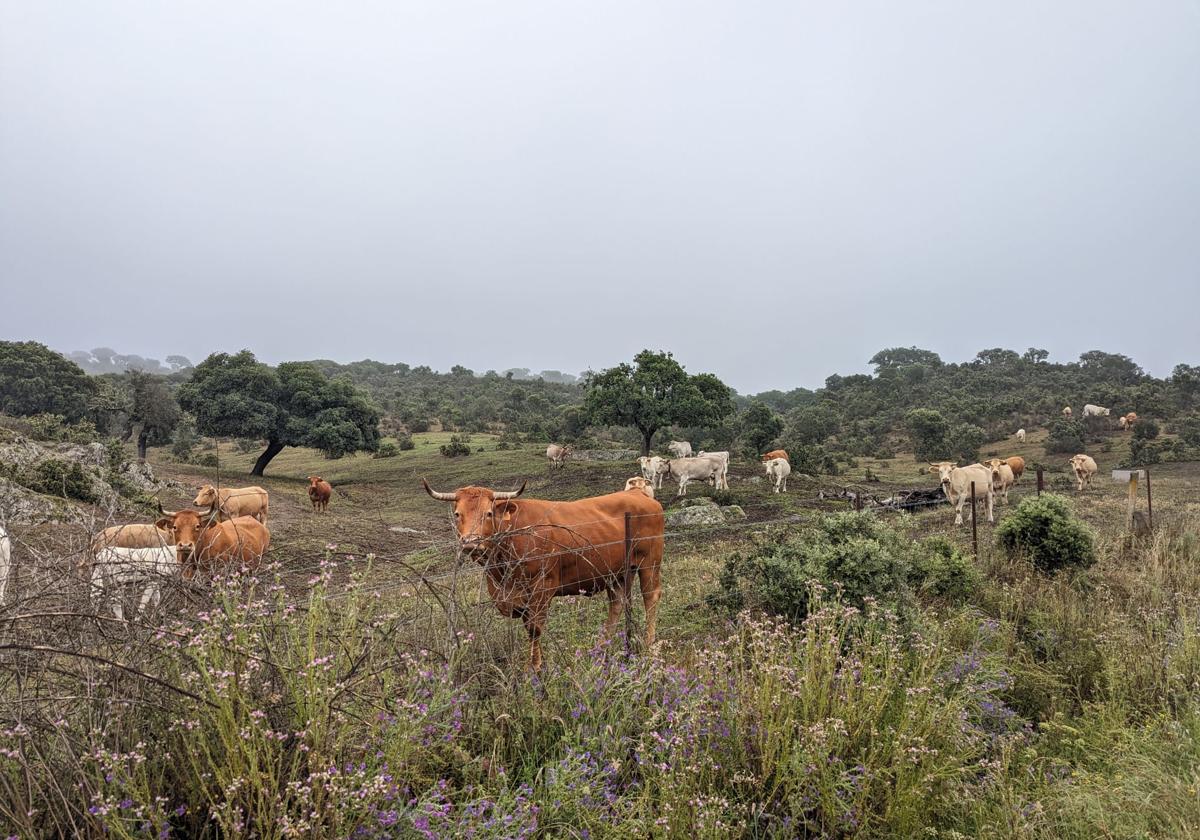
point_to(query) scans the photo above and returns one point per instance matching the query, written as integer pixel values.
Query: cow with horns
(533, 550)
(207, 544)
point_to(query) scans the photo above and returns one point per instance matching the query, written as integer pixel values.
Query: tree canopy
(35, 380)
(653, 393)
(292, 405)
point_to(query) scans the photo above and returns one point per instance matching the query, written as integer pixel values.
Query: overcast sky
(771, 190)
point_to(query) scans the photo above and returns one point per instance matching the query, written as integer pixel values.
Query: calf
(1126, 422)
(319, 491)
(641, 485)
(1002, 477)
(1021, 435)
(778, 470)
(558, 455)
(114, 567)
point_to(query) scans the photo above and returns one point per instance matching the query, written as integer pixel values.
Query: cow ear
(165, 524)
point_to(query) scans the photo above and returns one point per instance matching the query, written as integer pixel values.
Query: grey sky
(772, 190)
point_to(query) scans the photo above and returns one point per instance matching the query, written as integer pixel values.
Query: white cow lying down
(115, 567)
(956, 484)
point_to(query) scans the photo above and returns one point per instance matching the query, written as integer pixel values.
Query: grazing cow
(776, 453)
(694, 469)
(721, 479)
(641, 485)
(1066, 412)
(319, 491)
(558, 455)
(1002, 477)
(232, 502)
(778, 470)
(1126, 422)
(1084, 467)
(1090, 410)
(533, 550)
(116, 567)
(1017, 464)
(1021, 435)
(956, 484)
(208, 544)
(653, 469)
(680, 448)
(5, 560)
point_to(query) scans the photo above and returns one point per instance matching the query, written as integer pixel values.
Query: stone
(695, 515)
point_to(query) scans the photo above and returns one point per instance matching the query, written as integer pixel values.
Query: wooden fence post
(627, 583)
(1149, 500)
(1041, 481)
(974, 523)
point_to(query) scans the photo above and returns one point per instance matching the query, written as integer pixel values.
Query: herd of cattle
(531, 550)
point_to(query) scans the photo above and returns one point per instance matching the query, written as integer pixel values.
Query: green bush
(1066, 436)
(941, 570)
(208, 459)
(248, 445)
(66, 479)
(1143, 452)
(405, 442)
(456, 447)
(1146, 429)
(1044, 530)
(183, 439)
(1189, 431)
(964, 441)
(386, 450)
(928, 430)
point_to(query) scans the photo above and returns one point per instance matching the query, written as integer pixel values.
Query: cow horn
(509, 495)
(441, 497)
(165, 512)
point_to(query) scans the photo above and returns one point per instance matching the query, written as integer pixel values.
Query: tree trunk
(647, 438)
(142, 438)
(274, 447)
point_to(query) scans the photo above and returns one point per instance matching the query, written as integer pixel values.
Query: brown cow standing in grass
(206, 544)
(776, 453)
(533, 550)
(319, 491)
(1017, 464)
(232, 502)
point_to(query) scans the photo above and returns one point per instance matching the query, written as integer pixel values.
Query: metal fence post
(974, 523)
(627, 584)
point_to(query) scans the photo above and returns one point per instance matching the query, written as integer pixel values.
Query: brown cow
(776, 453)
(1017, 464)
(1127, 422)
(533, 550)
(232, 502)
(319, 491)
(207, 544)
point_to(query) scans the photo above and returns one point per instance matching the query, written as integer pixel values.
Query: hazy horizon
(773, 192)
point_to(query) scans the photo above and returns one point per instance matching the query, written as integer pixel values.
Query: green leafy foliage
(964, 441)
(387, 449)
(653, 393)
(1066, 437)
(757, 427)
(184, 439)
(457, 446)
(292, 405)
(928, 431)
(1044, 530)
(35, 380)
(855, 553)
(1145, 429)
(65, 479)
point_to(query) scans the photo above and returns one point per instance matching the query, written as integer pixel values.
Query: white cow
(5, 560)
(693, 469)
(558, 455)
(1066, 412)
(778, 470)
(1003, 477)
(640, 484)
(114, 567)
(956, 484)
(1090, 410)
(721, 482)
(680, 448)
(1084, 467)
(654, 468)
(1021, 435)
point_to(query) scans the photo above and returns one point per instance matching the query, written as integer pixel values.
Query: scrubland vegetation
(820, 673)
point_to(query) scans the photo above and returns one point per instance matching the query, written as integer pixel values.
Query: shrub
(1065, 436)
(941, 570)
(1145, 430)
(456, 447)
(964, 441)
(386, 450)
(1044, 530)
(1143, 451)
(60, 478)
(1189, 431)
(928, 430)
(247, 445)
(405, 442)
(208, 459)
(183, 439)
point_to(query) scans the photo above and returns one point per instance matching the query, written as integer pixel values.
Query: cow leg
(650, 582)
(617, 594)
(958, 509)
(990, 498)
(534, 619)
(151, 591)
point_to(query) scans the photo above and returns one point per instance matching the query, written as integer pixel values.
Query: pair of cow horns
(450, 497)
(163, 512)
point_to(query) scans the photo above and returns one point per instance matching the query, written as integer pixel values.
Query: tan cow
(1021, 435)
(134, 535)
(956, 484)
(232, 502)
(1084, 467)
(640, 484)
(1066, 412)
(1017, 464)
(776, 453)
(1126, 422)
(558, 455)
(1002, 477)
